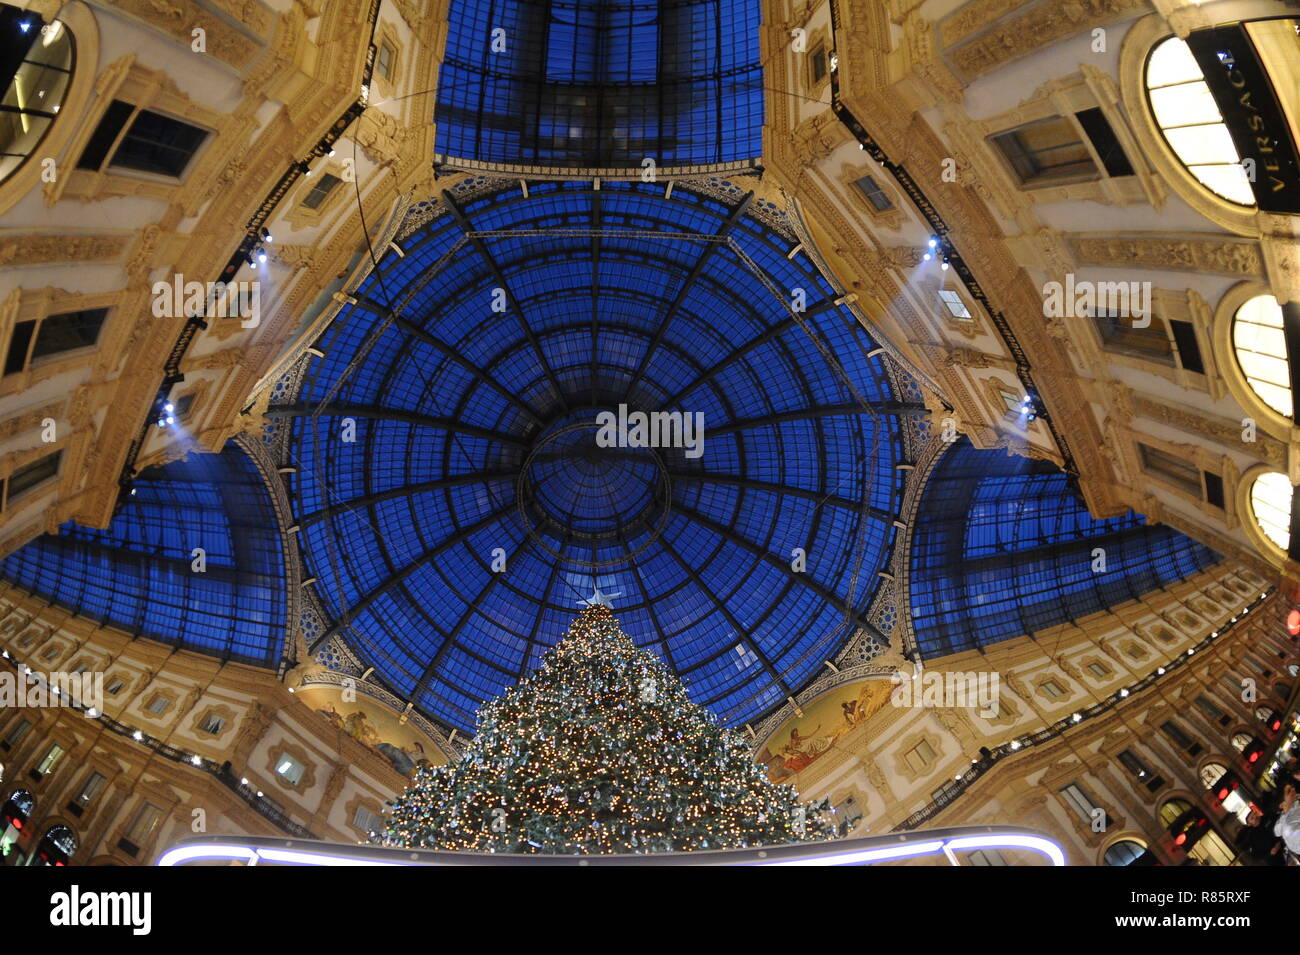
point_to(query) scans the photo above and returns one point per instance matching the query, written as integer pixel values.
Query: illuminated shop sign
(1241, 87)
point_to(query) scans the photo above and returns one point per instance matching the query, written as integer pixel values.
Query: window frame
(108, 165)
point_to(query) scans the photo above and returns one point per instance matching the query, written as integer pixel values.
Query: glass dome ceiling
(1003, 546)
(475, 446)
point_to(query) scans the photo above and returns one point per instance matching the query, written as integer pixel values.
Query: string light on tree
(600, 751)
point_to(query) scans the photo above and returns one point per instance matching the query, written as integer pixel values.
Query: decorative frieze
(1224, 256)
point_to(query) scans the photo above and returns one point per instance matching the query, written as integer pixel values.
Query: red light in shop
(1181, 838)
(1223, 794)
(18, 824)
(1276, 725)
(1293, 622)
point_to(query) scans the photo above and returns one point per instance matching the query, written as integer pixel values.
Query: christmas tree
(599, 751)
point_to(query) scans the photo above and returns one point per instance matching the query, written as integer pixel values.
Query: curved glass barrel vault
(1003, 546)
(139, 573)
(583, 84)
(475, 442)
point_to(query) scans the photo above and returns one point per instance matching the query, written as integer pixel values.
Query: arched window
(35, 68)
(1260, 346)
(1191, 123)
(1210, 774)
(1240, 741)
(1125, 852)
(1270, 502)
(1172, 809)
(57, 847)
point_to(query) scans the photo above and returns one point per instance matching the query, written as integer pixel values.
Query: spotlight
(266, 236)
(25, 25)
(169, 407)
(944, 266)
(934, 243)
(927, 257)
(171, 420)
(261, 258)
(331, 154)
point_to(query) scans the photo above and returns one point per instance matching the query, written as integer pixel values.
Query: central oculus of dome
(578, 487)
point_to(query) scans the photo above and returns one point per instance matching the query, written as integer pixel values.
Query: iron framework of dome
(475, 442)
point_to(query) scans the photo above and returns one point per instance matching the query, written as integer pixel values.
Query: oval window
(37, 70)
(1260, 346)
(1190, 121)
(1270, 500)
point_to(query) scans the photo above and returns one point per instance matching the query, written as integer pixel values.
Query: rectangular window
(1079, 801)
(183, 405)
(1206, 704)
(1175, 733)
(143, 825)
(1103, 140)
(1012, 401)
(1189, 350)
(31, 476)
(1171, 468)
(152, 143)
(51, 759)
(289, 769)
(17, 733)
(366, 821)
(115, 687)
(68, 331)
(320, 191)
(952, 301)
(1052, 690)
(213, 725)
(1120, 335)
(91, 789)
(1098, 669)
(158, 705)
(1047, 152)
(158, 144)
(384, 60)
(817, 65)
(919, 756)
(869, 188)
(1137, 769)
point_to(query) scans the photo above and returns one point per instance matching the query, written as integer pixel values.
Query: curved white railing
(865, 850)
